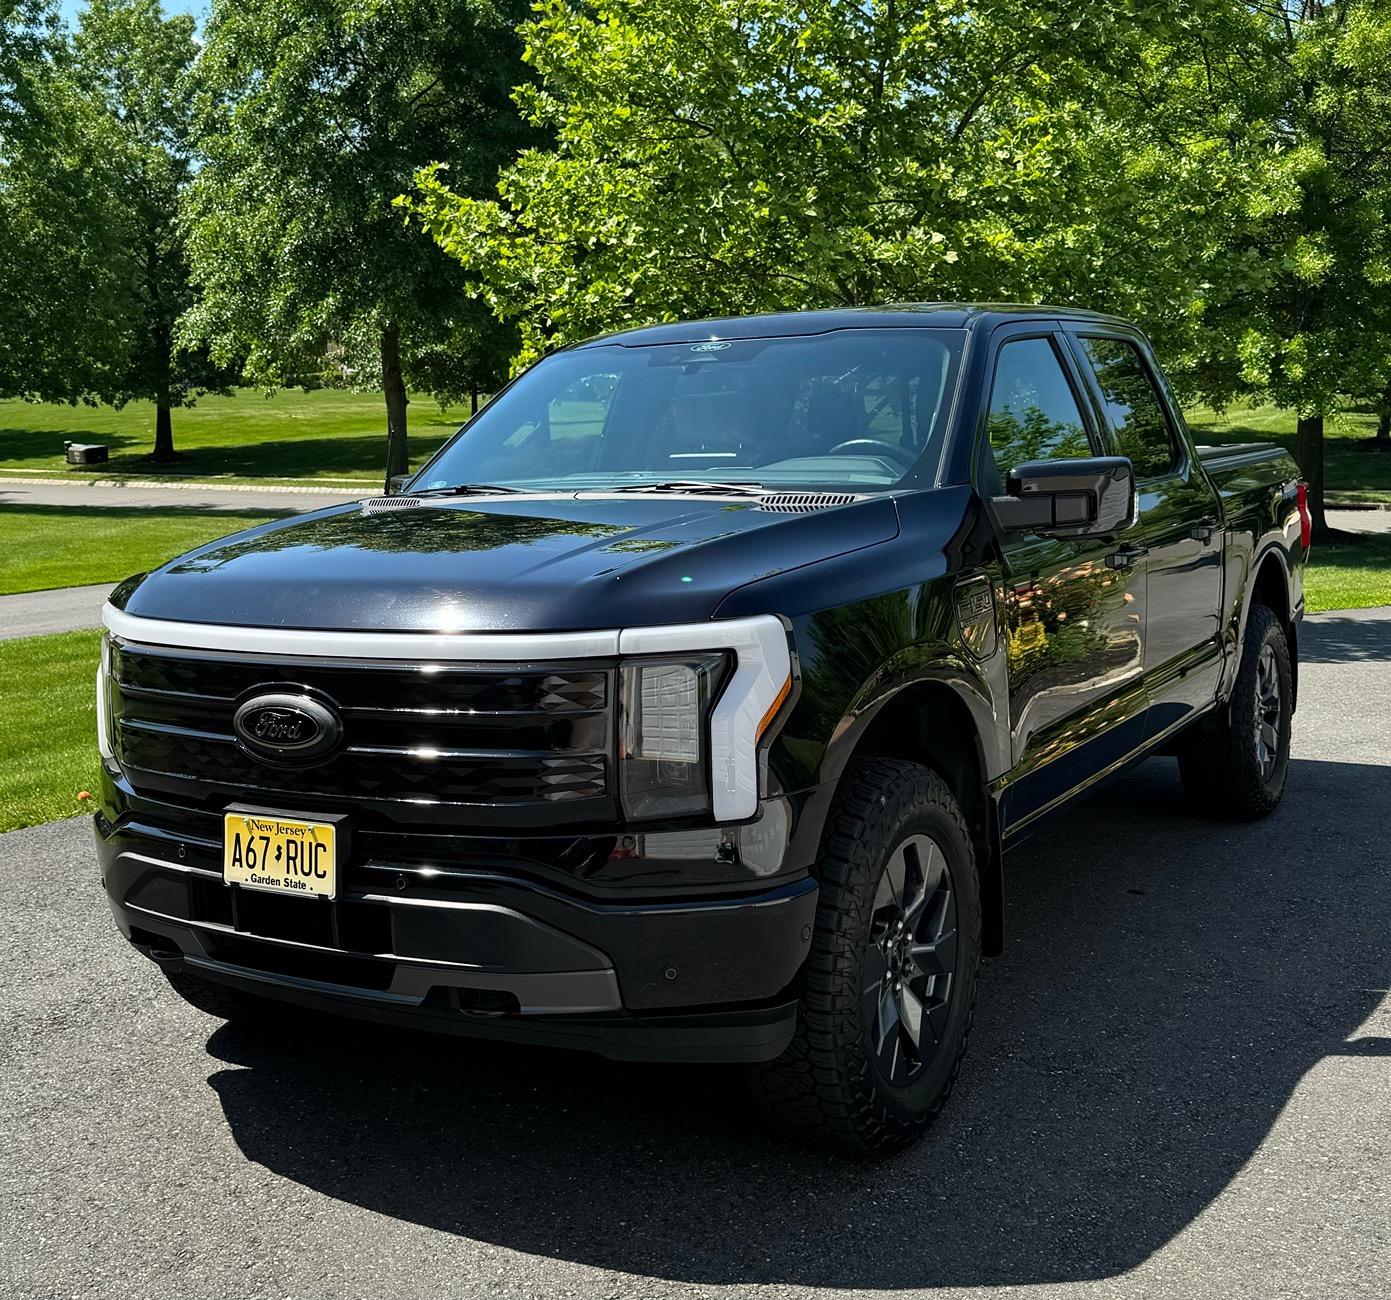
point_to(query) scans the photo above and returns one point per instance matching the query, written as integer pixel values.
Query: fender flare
(948, 673)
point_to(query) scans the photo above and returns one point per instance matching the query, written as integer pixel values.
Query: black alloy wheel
(911, 962)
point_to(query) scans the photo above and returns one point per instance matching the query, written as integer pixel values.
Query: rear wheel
(890, 982)
(1236, 765)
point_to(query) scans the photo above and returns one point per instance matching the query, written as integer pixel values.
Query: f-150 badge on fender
(975, 612)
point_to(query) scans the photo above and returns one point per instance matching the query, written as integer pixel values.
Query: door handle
(1126, 557)
(1202, 532)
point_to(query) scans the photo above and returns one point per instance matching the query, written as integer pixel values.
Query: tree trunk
(1384, 415)
(162, 343)
(473, 401)
(164, 435)
(398, 459)
(1308, 452)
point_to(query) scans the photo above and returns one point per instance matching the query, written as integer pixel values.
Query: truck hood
(504, 564)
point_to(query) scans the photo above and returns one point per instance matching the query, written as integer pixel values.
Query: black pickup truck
(684, 705)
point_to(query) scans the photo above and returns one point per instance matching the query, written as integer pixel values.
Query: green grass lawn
(1353, 473)
(48, 726)
(326, 436)
(1349, 573)
(69, 546)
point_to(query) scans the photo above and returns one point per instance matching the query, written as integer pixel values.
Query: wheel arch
(1270, 586)
(933, 722)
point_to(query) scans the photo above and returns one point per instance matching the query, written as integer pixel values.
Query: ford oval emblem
(287, 728)
(714, 345)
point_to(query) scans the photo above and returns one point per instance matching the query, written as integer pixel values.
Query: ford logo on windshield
(286, 728)
(713, 346)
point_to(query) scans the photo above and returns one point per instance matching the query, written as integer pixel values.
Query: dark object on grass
(86, 453)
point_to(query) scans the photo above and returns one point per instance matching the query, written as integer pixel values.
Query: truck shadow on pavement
(1167, 983)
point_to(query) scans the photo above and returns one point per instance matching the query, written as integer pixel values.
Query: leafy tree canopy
(1295, 100)
(133, 62)
(313, 116)
(64, 329)
(726, 156)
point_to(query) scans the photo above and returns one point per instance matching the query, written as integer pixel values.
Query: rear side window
(1033, 413)
(1132, 406)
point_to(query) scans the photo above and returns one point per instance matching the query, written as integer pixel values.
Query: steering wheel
(856, 446)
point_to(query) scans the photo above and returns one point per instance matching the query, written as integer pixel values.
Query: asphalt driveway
(1179, 1086)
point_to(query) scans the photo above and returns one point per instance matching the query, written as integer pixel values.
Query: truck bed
(1239, 470)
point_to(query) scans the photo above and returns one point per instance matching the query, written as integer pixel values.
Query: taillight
(1306, 523)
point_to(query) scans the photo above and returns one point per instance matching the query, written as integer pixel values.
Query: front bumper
(708, 979)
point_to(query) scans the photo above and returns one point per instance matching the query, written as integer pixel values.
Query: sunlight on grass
(70, 546)
(48, 741)
(1349, 573)
(327, 435)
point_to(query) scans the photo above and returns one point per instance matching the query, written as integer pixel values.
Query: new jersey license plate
(282, 855)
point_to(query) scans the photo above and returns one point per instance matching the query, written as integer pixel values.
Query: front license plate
(280, 854)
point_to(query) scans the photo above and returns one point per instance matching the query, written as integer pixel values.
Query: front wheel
(890, 981)
(1236, 765)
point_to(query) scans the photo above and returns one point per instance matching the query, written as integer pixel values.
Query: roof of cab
(938, 315)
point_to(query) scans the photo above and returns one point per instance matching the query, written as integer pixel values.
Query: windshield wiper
(693, 486)
(467, 490)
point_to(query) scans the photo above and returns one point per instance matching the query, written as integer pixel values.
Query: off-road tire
(1220, 760)
(827, 1088)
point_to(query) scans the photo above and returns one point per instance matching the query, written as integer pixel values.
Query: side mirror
(396, 484)
(1068, 498)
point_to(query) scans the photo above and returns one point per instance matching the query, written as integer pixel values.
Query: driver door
(1074, 623)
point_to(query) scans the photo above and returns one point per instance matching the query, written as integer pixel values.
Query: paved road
(177, 496)
(34, 613)
(1179, 1087)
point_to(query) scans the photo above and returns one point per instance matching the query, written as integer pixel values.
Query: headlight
(664, 759)
(104, 745)
(699, 700)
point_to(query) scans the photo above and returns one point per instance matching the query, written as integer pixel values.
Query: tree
(63, 317)
(134, 62)
(313, 116)
(1297, 309)
(727, 156)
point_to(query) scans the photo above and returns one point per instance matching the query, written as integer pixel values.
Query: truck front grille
(456, 744)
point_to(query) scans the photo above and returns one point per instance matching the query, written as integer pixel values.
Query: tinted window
(1033, 414)
(850, 407)
(1141, 428)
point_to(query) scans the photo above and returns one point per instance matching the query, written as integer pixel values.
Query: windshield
(852, 409)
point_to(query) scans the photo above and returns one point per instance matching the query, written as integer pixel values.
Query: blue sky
(69, 8)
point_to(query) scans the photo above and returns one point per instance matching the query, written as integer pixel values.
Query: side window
(1133, 407)
(1033, 413)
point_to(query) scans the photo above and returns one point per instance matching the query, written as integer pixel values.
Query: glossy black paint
(524, 564)
(1025, 668)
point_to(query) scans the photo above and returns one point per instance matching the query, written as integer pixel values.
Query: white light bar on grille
(762, 673)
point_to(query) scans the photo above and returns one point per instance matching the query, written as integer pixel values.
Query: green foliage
(312, 116)
(726, 156)
(64, 329)
(1297, 98)
(133, 62)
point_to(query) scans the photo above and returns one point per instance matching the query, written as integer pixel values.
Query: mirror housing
(1087, 497)
(396, 484)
